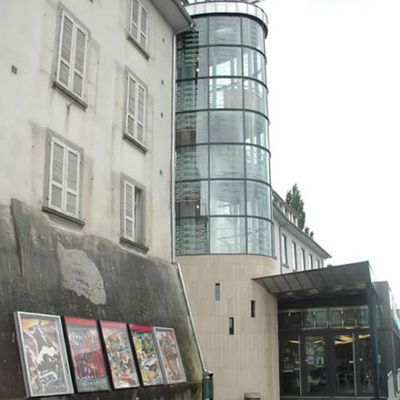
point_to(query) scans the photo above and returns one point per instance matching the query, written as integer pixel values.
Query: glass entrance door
(344, 364)
(365, 383)
(315, 377)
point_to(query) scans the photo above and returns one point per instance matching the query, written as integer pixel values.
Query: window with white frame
(303, 259)
(72, 55)
(132, 212)
(294, 255)
(135, 109)
(284, 249)
(139, 23)
(64, 178)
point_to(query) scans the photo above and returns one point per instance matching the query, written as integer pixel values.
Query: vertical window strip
(231, 326)
(217, 290)
(72, 55)
(252, 308)
(129, 211)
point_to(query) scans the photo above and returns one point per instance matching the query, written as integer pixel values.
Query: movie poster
(119, 354)
(87, 357)
(170, 355)
(43, 355)
(146, 355)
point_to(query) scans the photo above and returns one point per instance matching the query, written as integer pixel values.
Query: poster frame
(18, 317)
(164, 364)
(76, 321)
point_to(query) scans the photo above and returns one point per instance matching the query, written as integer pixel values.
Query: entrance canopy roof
(349, 278)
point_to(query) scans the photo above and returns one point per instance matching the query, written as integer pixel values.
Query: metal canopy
(331, 280)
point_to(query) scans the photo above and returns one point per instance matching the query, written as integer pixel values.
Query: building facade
(86, 172)
(224, 229)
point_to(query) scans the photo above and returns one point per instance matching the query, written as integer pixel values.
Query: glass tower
(223, 191)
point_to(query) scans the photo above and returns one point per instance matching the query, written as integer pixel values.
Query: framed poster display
(86, 354)
(119, 355)
(170, 355)
(43, 355)
(146, 354)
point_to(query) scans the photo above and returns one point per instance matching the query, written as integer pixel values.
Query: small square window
(72, 56)
(64, 177)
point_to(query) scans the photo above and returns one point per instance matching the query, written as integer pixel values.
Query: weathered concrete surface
(48, 270)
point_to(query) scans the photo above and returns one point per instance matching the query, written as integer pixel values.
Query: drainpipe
(207, 376)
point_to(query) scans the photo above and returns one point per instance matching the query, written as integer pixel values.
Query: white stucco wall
(29, 105)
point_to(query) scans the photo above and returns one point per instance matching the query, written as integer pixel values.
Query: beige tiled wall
(248, 360)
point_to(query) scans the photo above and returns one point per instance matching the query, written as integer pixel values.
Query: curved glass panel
(226, 126)
(191, 62)
(192, 236)
(227, 235)
(256, 195)
(225, 61)
(224, 30)
(257, 162)
(201, 26)
(253, 34)
(192, 95)
(255, 96)
(256, 129)
(192, 128)
(226, 161)
(191, 198)
(259, 236)
(227, 198)
(191, 163)
(226, 93)
(254, 64)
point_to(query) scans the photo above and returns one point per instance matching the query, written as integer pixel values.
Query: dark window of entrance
(290, 365)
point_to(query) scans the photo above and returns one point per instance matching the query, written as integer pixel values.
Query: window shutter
(135, 18)
(72, 182)
(65, 50)
(143, 26)
(141, 113)
(129, 210)
(131, 102)
(80, 58)
(56, 174)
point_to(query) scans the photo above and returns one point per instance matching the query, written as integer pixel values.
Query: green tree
(294, 200)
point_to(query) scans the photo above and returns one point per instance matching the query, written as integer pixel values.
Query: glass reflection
(256, 129)
(253, 34)
(191, 128)
(257, 163)
(225, 93)
(315, 369)
(228, 235)
(255, 96)
(225, 61)
(191, 198)
(227, 197)
(226, 126)
(224, 30)
(254, 64)
(191, 163)
(257, 193)
(192, 236)
(192, 95)
(191, 62)
(259, 236)
(226, 161)
(289, 357)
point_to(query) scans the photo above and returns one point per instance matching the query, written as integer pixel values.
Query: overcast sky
(334, 105)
